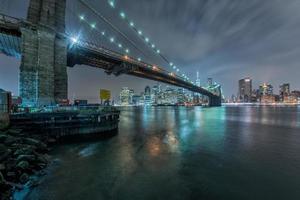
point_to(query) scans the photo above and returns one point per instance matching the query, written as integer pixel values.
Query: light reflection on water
(185, 153)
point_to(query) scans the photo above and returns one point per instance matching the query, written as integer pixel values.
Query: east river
(183, 153)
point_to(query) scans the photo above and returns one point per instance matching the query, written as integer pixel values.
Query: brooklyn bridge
(46, 50)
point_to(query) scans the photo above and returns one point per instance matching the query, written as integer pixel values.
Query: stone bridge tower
(43, 71)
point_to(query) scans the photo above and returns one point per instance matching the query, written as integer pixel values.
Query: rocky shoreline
(23, 157)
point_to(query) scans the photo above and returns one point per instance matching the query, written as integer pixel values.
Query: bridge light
(147, 39)
(112, 39)
(74, 40)
(158, 51)
(103, 33)
(127, 50)
(93, 25)
(174, 67)
(122, 14)
(139, 59)
(177, 70)
(120, 45)
(112, 3)
(131, 24)
(81, 17)
(153, 46)
(140, 32)
(171, 64)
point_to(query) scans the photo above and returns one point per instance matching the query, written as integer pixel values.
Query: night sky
(226, 40)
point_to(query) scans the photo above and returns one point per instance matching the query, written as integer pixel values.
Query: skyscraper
(284, 91)
(209, 82)
(198, 82)
(125, 96)
(147, 96)
(266, 89)
(245, 89)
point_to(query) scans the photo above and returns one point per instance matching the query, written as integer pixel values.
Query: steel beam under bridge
(95, 56)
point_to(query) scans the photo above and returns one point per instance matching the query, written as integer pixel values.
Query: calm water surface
(184, 153)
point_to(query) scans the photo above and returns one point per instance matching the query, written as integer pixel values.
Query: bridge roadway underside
(111, 64)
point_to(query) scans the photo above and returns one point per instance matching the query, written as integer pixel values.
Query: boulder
(2, 180)
(23, 165)
(24, 151)
(42, 159)
(3, 137)
(15, 132)
(24, 178)
(2, 167)
(4, 152)
(40, 145)
(28, 158)
(11, 140)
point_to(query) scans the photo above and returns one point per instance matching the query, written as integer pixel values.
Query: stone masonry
(43, 73)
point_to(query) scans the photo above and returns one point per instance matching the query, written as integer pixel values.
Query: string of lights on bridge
(146, 39)
(103, 33)
(113, 40)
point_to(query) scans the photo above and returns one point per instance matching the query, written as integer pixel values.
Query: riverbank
(22, 159)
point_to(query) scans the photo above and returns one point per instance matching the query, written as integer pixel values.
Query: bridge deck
(96, 56)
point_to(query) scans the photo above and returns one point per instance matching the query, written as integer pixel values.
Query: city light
(112, 4)
(122, 14)
(139, 59)
(81, 17)
(74, 40)
(139, 32)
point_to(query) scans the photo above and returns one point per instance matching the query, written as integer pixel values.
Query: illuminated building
(245, 90)
(147, 96)
(266, 89)
(209, 82)
(125, 96)
(284, 91)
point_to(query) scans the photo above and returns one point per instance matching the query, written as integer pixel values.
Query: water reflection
(184, 153)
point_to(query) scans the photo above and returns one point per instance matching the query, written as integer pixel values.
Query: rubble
(21, 158)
